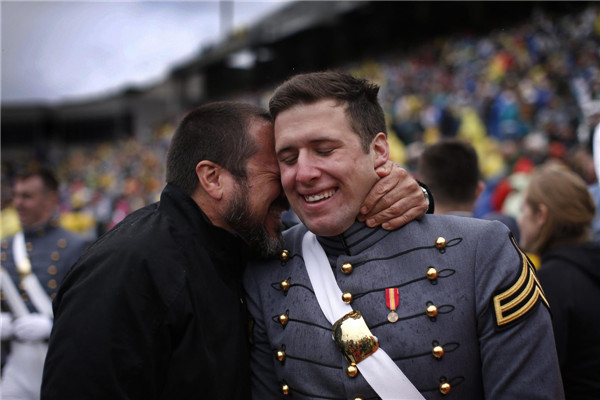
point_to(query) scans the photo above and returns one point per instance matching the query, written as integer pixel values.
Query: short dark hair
(217, 132)
(364, 112)
(45, 173)
(450, 168)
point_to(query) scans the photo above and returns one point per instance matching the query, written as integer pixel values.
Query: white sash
(39, 297)
(379, 370)
(14, 300)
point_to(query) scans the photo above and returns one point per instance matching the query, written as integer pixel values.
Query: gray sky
(65, 50)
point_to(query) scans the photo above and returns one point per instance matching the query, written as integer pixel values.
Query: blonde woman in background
(555, 224)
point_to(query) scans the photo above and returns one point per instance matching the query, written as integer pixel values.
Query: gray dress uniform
(472, 321)
(52, 251)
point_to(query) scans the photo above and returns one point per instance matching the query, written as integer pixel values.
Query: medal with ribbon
(391, 300)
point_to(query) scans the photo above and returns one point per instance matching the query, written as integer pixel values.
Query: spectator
(555, 223)
(450, 168)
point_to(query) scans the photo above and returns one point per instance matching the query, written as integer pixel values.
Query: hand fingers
(398, 180)
(395, 215)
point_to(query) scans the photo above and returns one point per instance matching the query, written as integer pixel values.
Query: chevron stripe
(515, 302)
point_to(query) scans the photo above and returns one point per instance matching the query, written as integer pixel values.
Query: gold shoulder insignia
(516, 301)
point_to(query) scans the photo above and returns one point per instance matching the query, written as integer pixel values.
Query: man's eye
(288, 160)
(324, 151)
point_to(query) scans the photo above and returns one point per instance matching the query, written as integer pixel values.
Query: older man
(445, 306)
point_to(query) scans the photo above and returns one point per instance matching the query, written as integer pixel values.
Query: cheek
(288, 178)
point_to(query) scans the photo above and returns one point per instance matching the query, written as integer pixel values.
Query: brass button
(55, 256)
(346, 268)
(352, 370)
(280, 355)
(4, 244)
(52, 270)
(445, 388)
(285, 255)
(431, 273)
(440, 243)
(347, 297)
(432, 311)
(3, 256)
(52, 284)
(29, 246)
(285, 285)
(62, 243)
(438, 352)
(285, 389)
(24, 297)
(358, 398)
(283, 319)
(52, 296)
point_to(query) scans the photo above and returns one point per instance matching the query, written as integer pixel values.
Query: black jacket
(153, 311)
(570, 276)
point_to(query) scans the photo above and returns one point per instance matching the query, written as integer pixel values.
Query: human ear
(210, 178)
(380, 150)
(542, 214)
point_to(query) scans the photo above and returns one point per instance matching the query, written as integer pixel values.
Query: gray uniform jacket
(488, 336)
(52, 251)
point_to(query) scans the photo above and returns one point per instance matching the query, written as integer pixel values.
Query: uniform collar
(41, 230)
(356, 239)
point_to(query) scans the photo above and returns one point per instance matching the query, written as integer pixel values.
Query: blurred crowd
(521, 95)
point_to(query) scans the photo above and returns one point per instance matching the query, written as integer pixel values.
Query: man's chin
(266, 247)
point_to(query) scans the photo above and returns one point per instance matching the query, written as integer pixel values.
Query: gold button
(24, 296)
(280, 355)
(445, 388)
(52, 284)
(4, 244)
(352, 370)
(62, 243)
(440, 242)
(346, 268)
(55, 256)
(432, 311)
(29, 246)
(285, 285)
(431, 273)
(358, 398)
(52, 270)
(52, 296)
(285, 389)
(3, 256)
(438, 352)
(285, 255)
(283, 319)
(347, 297)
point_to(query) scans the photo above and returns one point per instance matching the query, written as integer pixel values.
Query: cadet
(34, 261)
(444, 306)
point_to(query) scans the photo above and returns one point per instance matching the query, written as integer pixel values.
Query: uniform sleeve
(264, 379)
(514, 327)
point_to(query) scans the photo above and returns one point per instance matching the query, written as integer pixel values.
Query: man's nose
(307, 169)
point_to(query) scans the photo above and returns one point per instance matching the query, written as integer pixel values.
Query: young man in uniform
(444, 306)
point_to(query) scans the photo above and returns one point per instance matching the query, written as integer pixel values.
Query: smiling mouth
(318, 197)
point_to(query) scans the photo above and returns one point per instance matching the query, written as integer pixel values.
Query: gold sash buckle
(354, 337)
